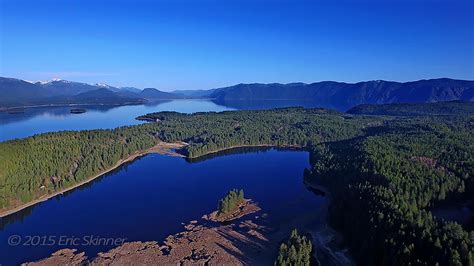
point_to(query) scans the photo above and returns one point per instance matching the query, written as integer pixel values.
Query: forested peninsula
(384, 172)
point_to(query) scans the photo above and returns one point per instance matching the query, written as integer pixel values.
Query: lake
(27, 122)
(461, 212)
(48, 119)
(151, 197)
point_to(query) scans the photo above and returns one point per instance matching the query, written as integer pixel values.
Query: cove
(150, 198)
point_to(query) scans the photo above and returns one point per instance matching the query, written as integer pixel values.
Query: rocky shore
(238, 243)
(245, 208)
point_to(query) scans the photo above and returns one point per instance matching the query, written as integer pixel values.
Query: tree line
(384, 172)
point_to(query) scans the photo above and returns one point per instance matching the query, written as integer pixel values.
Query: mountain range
(330, 93)
(16, 92)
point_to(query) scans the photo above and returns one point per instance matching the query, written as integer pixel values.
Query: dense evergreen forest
(455, 108)
(382, 187)
(296, 251)
(49, 162)
(210, 132)
(384, 172)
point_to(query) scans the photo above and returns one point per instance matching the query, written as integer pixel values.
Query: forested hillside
(209, 132)
(384, 184)
(384, 173)
(59, 160)
(46, 163)
(347, 95)
(415, 109)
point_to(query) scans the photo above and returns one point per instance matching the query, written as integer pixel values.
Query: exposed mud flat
(245, 239)
(62, 257)
(238, 243)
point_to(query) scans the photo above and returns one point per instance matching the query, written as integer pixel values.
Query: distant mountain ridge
(17, 93)
(340, 95)
(352, 94)
(152, 93)
(195, 93)
(15, 89)
(63, 87)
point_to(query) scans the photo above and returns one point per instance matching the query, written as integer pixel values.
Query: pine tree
(230, 202)
(296, 251)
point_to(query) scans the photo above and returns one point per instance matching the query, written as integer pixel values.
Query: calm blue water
(150, 198)
(48, 119)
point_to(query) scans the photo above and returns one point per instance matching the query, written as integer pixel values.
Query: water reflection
(270, 104)
(461, 212)
(26, 122)
(18, 115)
(19, 216)
(149, 198)
(49, 119)
(240, 150)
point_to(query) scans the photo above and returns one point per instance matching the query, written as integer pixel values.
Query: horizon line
(235, 84)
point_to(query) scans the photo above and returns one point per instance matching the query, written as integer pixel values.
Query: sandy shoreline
(161, 148)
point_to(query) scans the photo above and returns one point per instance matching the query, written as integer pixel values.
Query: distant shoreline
(5, 109)
(160, 148)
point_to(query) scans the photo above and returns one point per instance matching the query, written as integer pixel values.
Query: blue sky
(199, 45)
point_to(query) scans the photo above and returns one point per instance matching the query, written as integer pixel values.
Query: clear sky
(199, 45)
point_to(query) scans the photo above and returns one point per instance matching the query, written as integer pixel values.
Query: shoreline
(10, 108)
(207, 244)
(160, 148)
(294, 146)
(6, 109)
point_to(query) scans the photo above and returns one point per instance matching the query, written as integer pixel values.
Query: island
(383, 172)
(246, 242)
(77, 111)
(197, 244)
(232, 206)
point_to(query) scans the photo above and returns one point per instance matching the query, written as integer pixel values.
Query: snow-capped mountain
(16, 92)
(103, 85)
(66, 87)
(51, 81)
